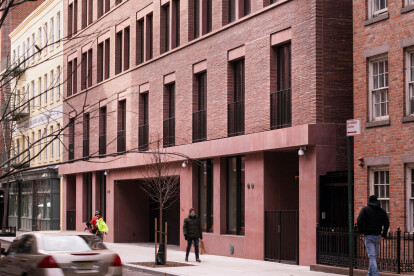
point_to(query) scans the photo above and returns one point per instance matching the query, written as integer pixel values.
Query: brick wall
(396, 138)
(321, 57)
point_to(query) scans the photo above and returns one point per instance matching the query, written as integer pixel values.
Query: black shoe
(186, 259)
(198, 261)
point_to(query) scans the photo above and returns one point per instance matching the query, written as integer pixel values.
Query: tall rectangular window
(126, 48)
(39, 91)
(86, 130)
(175, 23)
(58, 82)
(84, 64)
(45, 141)
(140, 42)
(45, 29)
(102, 130)
(52, 33)
(45, 87)
(33, 45)
(33, 146)
(236, 99)
(118, 53)
(84, 13)
(380, 186)
(58, 27)
(75, 76)
(100, 62)
(165, 28)
(33, 94)
(169, 116)
(39, 144)
(75, 16)
(107, 5)
(410, 83)
(71, 146)
(52, 86)
(410, 198)
(205, 194)
(196, 18)
(70, 20)
(235, 195)
(107, 53)
(100, 8)
(149, 37)
(280, 98)
(379, 89)
(200, 108)
(209, 16)
(231, 10)
(90, 12)
(143, 134)
(121, 137)
(39, 38)
(52, 150)
(89, 81)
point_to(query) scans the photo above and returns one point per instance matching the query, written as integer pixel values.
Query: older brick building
(384, 101)
(238, 85)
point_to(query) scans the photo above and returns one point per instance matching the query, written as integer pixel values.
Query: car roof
(56, 233)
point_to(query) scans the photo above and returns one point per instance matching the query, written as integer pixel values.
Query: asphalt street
(125, 271)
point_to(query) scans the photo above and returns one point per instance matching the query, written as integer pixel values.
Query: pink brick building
(236, 88)
(384, 101)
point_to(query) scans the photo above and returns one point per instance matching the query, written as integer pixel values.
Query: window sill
(377, 123)
(376, 19)
(407, 8)
(406, 119)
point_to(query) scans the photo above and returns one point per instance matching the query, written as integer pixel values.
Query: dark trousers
(189, 242)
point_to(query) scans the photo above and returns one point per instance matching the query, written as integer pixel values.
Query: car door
(9, 263)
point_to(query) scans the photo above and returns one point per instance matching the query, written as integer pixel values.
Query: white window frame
(45, 29)
(372, 90)
(409, 2)
(409, 85)
(45, 142)
(52, 84)
(45, 87)
(58, 141)
(39, 145)
(33, 46)
(33, 95)
(52, 33)
(39, 87)
(39, 38)
(33, 145)
(51, 143)
(371, 8)
(58, 82)
(372, 172)
(58, 27)
(410, 198)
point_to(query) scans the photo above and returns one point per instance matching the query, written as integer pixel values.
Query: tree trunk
(160, 224)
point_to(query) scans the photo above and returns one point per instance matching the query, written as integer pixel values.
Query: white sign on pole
(353, 127)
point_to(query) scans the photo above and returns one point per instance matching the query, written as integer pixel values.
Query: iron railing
(169, 132)
(143, 138)
(396, 252)
(199, 126)
(236, 118)
(121, 141)
(85, 147)
(281, 109)
(102, 144)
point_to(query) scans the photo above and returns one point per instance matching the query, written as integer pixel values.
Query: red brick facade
(320, 35)
(387, 143)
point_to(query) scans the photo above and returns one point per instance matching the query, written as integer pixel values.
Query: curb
(152, 271)
(345, 271)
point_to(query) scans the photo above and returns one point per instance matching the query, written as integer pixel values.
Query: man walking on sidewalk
(373, 220)
(192, 232)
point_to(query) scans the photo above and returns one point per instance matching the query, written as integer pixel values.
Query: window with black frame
(235, 195)
(205, 195)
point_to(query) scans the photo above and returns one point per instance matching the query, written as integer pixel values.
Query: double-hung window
(380, 186)
(410, 198)
(410, 82)
(378, 7)
(379, 90)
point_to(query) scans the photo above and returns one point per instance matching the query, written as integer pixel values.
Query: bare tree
(160, 180)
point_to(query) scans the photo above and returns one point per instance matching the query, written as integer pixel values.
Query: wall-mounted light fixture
(301, 151)
(184, 164)
(106, 172)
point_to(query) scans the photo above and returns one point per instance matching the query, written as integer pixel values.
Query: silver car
(59, 254)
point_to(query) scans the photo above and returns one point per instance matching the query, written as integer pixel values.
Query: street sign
(353, 127)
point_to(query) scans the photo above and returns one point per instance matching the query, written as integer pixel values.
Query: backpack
(102, 227)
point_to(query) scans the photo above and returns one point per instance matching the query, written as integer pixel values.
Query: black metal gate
(282, 236)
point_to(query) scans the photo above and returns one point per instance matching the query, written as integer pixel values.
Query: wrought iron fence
(143, 137)
(200, 126)
(169, 132)
(281, 109)
(236, 118)
(396, 252)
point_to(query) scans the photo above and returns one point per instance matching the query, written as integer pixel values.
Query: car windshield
(58, 243)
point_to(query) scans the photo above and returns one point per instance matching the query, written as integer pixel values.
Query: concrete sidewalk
(210, 264)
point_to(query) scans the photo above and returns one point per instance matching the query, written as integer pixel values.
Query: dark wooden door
(282, 236)
(71, 220)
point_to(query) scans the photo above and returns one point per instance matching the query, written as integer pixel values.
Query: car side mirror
(4, 252)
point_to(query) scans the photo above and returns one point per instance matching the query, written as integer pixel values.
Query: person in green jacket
(192, 233)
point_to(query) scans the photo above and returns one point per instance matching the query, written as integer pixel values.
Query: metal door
(282, 236)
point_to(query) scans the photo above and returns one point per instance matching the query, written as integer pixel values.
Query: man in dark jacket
(192, 232)
(373, 222)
